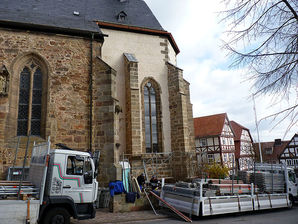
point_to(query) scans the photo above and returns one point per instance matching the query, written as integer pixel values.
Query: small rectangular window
(210, 158)
(74, 166)
(203, 142)
(268, 151)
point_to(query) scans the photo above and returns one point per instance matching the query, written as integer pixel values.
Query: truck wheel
(291, 198)
(57, 216)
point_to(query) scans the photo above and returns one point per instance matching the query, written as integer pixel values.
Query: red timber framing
(219, 138)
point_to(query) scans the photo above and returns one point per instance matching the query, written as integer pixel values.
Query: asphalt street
(279, 216)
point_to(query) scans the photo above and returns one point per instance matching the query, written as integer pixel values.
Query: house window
(268, 151)
(225, 158)
(210, 158)
(150, 108)
(30, 101)
(203, 142)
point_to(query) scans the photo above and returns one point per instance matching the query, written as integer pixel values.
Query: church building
(93, 75)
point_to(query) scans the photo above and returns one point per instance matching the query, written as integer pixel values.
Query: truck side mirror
(88, 178)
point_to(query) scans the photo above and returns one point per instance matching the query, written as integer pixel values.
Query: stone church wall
(66, 62)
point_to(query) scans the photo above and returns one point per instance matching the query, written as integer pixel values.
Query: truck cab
(292, 185)
(71, 187)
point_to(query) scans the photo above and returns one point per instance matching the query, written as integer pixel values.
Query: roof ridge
(211, 115)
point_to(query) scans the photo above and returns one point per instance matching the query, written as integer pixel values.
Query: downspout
(90, 91)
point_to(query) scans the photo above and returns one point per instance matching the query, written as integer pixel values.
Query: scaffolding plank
(172, 208)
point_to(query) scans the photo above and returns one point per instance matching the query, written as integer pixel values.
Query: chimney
(277, 142)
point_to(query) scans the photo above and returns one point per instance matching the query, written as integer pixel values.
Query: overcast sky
(215, 88)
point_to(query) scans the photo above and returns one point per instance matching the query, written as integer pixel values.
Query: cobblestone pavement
(278, 216)
(104, 216)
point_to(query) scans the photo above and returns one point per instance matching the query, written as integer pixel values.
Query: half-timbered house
(244, 153)
(271, 151)
(214, 139)
(289, 155)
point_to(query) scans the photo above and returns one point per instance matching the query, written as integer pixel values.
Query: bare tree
(263, 35)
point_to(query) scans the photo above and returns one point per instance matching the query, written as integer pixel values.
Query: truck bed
(15, 211)
(192, 201)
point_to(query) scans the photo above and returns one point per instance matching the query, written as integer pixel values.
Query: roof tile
(211, 125)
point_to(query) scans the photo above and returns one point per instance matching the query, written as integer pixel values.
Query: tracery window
(30, 100)
(151, 128)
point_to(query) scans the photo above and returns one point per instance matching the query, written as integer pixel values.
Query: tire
(291, 198)
(57, 216)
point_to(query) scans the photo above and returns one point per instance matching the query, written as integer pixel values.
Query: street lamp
(257, 126)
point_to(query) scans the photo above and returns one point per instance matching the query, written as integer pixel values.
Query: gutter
(51, 29)
(118, 26)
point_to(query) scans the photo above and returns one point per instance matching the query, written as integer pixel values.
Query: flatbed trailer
(194, 202)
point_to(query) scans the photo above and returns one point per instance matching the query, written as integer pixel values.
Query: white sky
(214, 87)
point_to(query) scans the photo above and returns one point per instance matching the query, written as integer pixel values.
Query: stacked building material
(266, 181)
(228, 189)
(186, 184)
(242, 175)
(11, 188)
(224, 181)
(173, 189)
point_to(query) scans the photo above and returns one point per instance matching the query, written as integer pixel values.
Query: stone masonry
(105, 122)
(65, 62)
(133, 127)
(181, 129)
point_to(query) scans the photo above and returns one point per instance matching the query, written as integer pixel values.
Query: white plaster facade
(227, 145)
(246, 151)
(147, 50)
(290, 153)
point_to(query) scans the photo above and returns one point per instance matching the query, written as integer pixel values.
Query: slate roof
(60, 14)
(211, 125)
(137, 11)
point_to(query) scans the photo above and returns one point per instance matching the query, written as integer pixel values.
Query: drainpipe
(90, 91)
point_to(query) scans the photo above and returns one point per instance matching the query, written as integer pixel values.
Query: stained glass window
(24, 102)
(30, 97)
(36, 103)
(151, 131)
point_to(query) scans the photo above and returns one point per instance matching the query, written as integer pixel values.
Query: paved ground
(279, 216)
(104, 216)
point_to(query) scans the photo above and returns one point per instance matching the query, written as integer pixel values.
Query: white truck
(288, 175)
(62, 184)
(201, 198)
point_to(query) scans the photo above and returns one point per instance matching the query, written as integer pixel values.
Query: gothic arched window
(30, 101)
(151, 128)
